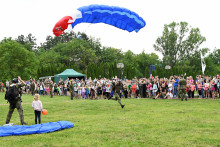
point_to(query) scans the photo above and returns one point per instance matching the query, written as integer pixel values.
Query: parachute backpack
(11, 94)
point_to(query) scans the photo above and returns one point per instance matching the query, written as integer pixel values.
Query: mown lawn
(143, 122)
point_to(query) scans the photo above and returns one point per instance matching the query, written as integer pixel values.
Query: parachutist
(113, 16)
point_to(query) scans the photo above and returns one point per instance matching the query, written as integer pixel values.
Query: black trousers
(37, 116)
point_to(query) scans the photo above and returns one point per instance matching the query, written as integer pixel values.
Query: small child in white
(38, 107)
(169, 94)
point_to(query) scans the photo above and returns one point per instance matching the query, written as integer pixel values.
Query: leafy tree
(29, 42)
(147, 72)
(76, 52)
(109, 55)
(212, 63)
(53, 41)
(144, 61)
(16, 61)
(178, 42)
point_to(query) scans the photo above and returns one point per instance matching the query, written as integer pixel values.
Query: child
(169, 95)
(38, 107)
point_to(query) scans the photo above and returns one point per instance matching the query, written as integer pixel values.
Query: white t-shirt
(107, 89)
(170, 86)
(41, 87)
(37, 105)
(7, 84)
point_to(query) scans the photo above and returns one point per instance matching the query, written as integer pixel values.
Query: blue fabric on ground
(35, 129)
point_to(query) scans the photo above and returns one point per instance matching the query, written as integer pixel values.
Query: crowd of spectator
(152, 87)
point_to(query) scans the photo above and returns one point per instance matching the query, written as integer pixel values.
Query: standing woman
(192, 88)
(92, 91)
(107, 92)
(104, 90)
(150, 89)
(188, 88)
(202, 90)
(83, 92)
(42, 89)
(218, 85)
(134, 89)
(154, 89)
(99, 91)
(212, 88)
(75, 91)
(79, 91)
(199, 86)
(206, 88)
(170, 90)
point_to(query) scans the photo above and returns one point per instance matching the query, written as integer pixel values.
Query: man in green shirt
(182, 88)
(51, 88)
(71, 89)
(116, 89)
(15, 101)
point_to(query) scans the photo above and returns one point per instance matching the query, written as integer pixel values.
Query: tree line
(179, 45)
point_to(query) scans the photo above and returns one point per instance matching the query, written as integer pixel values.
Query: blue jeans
(41, 92)
(202, 91)
(175, 91)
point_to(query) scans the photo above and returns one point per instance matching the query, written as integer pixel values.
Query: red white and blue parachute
(121, 18)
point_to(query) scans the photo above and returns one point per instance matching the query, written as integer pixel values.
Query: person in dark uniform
(99, 92)
(32, 87)
(117, 88)
(125, 91)
(51, 88)
(71, 88)
(182, 88)
(16, 102)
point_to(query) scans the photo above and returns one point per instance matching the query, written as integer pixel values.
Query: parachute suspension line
(85, 30)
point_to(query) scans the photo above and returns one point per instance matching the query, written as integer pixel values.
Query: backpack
(11, 94)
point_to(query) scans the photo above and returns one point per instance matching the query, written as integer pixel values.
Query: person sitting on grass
(169, 95)
(160, 94)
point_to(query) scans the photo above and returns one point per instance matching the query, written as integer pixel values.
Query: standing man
(116, 88)
(12, 95)
(176, 83)
(51, 88)
(32, 87)
(182, 88)
(61, 82)
(71, 90)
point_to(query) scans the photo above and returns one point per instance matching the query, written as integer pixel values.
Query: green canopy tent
(68, 73)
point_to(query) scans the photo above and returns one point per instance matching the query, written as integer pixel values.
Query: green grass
(143, 122)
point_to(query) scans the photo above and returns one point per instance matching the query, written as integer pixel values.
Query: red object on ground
(44, 112)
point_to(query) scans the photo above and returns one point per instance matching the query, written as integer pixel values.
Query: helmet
(15, 80)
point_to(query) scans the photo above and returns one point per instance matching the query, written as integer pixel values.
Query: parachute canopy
(121, 18)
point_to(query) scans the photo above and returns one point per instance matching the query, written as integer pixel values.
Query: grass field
(143, 122)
